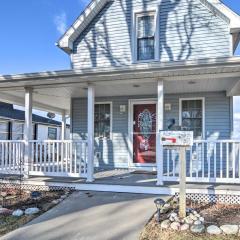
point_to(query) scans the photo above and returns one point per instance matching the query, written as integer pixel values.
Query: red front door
(144, 133)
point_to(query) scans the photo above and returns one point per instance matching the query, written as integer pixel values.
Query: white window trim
(147, 12)
(203, 112)
(111, 117)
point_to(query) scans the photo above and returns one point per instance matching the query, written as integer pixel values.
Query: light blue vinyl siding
(187, 30)
(115, 151)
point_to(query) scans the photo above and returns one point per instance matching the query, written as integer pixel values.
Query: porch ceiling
(52, 91)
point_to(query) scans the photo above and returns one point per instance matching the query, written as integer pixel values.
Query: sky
(30, 29)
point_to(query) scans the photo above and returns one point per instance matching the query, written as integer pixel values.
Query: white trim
(90, 131)
(111, 116)
(165, 190)
(145, 12)
(131, 103)
(159, 127)
(203, 112)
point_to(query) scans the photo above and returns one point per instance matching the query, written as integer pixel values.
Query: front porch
(213, 159)
(208, 161)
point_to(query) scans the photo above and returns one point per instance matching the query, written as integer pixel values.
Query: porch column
(90, 165)
(63, 127)
(160, 126)
(27, 131)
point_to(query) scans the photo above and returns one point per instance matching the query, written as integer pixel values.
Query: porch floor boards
(124, 177)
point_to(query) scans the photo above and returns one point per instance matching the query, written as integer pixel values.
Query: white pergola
(53, 91)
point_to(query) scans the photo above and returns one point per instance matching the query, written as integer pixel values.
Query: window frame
(111, 116)
(203, 112)
(7, 123)
(136, 15)
(14, 133)
(56, 133)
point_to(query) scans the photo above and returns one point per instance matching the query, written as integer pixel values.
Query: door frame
(131, 103)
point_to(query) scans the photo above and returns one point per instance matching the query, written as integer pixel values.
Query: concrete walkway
(90, 216)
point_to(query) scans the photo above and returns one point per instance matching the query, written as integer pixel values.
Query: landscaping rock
(173, 214)
(17, 213)
(165, 224)
(201, 219)
(188, 220)
(214, 230)
(165, 208)
(175, 225)
(189, 210)
(193, 217)
(176, 219)
(197, 222)
(195, 212)
(31, 211)
(229, 229)
(55, 201)
(184, 227)
(197, 228)
(5, 211)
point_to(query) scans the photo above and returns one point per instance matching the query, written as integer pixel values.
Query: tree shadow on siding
(165, 8)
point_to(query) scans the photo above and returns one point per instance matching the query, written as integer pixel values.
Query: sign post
(182, 182)
(179, 140)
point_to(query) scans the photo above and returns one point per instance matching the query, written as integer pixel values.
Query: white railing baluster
(75, 158)
(168, 163)
(45, 156)
(233, 160)
(202, 158)
(227, 160)
(221, 160)
(58, 156)
(215, 160)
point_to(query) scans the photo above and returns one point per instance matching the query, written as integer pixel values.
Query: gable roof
(90, 12)
(8, 112)
(95, 6)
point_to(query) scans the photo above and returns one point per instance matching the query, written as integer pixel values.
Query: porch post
(63, 127)
(160, 126)
(27, 131)
(90, 165)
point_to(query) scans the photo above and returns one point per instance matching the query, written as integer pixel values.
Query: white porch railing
(59, 158)
(11, 157)
(207, 161)
(49, 158)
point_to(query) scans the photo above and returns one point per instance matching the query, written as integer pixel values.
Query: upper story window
(102, 120)
(145, 34)
(192, 116)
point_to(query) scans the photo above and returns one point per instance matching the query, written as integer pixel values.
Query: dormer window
(145, 36)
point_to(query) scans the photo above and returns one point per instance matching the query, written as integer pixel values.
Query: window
(102, 120)
(52, 133)
(192, 116)
(4, 130)
(145, 33)
(17, 131)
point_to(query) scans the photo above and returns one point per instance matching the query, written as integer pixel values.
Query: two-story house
(139, 67)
